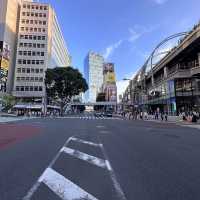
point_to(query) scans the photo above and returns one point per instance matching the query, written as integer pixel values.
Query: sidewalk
(12, 119)
(172, 119)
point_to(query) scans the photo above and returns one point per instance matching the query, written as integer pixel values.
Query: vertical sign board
(4, 64)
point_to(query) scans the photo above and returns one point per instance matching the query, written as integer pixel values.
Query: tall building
(40, 45)
(109, 86)
(93, 69)
(9, 18)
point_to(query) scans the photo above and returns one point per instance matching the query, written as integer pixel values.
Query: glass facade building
(93, 70)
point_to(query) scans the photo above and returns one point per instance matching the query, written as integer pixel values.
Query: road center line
(83, 156)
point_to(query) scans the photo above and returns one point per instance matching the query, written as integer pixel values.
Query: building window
(42, 53)
(17, 88)
(32, 70)
(40, 88)
(20, 53)
(43, 37)
(33, 53)
(36, 79)
(31, 21)
(19, 61)
(26, 88)
(28, 6)
(41, 70)
(18, 70)
(23, 21)
(41, 79)
(24, 6)
(28, 62)
(24, 62)
(40, 14)
(29, 53)
(31, 88)
(37, 71)
(32, 79)
(44, 15)
(35, 88)
(22, 88)
(28, 71)
(34, 37)
(44, 22)
(23, 13)
(22, 28)
(18, 78)
(23, 70)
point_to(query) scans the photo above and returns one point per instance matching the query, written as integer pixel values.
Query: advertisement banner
(108, 67)
(110, 77)
(4, 56)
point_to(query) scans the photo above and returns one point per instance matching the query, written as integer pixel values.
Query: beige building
(40, 45)
(30, 41)
(9, 15)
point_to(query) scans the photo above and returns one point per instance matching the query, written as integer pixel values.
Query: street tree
(62, 83)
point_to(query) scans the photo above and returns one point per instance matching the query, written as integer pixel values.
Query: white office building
(93, 70)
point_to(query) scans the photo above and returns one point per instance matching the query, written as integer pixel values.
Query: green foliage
(62, 83)
(8, 101)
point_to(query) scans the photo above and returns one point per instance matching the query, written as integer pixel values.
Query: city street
(98, 158)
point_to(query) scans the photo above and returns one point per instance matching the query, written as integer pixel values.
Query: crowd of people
(159, 115)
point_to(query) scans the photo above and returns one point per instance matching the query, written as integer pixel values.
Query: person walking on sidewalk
(162, 116)
(166, 116)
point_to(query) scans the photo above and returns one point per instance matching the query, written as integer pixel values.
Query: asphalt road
(104, 159)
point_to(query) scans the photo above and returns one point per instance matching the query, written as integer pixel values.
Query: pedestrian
(162, 116)
(166, 116)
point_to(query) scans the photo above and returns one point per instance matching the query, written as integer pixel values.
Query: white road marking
(85, 142)
(116, 184)
(83, 156)
(37, 184)
(100, 126)
(63, 187)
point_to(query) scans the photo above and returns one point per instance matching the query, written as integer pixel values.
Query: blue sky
(124, 31)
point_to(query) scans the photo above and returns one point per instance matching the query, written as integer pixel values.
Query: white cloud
(138, 31)
(110, 49)
(160, 1)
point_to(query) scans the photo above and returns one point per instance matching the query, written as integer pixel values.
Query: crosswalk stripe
(83, 156)
(63, 187)
(85, 142)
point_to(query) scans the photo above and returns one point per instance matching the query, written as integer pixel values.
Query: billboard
(108, 67)
(4, 64)
(4, 56)
(110, 77)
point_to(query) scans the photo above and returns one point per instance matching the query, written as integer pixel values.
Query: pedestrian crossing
(93, 118)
